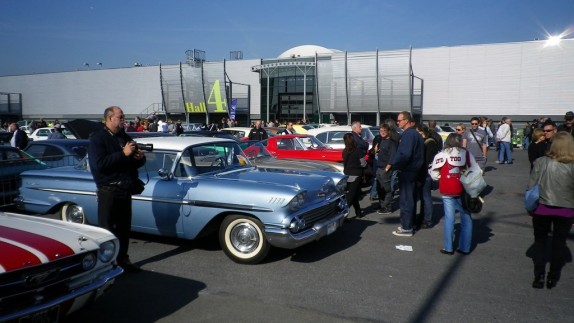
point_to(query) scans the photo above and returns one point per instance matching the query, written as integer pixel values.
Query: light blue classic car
(198, 185)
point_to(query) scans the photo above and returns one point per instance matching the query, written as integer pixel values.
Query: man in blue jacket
(408, 160)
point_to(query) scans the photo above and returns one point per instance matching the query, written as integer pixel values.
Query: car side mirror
(164, 174)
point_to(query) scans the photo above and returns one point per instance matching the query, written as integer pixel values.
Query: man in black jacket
(114, 161)
(258, 133)
(19, 138)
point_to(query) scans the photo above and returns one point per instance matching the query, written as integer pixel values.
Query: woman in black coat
(353, 167)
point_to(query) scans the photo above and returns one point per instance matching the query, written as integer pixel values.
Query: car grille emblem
(39, 278)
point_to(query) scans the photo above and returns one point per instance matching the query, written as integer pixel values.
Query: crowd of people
(422, 159)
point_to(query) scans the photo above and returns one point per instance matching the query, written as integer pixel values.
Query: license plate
(331, 227)
(47, 316)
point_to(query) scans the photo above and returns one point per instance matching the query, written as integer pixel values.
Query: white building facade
(521, 80)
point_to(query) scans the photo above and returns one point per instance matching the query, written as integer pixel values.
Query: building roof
(306, 51)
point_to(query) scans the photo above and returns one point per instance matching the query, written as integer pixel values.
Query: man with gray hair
(357, 136)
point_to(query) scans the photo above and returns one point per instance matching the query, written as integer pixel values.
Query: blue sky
(39, 36)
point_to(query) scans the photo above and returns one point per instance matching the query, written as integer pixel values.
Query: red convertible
(301, 147)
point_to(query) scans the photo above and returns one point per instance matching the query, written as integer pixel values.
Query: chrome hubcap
(244, 237)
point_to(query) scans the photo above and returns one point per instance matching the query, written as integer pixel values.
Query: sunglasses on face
(458, 129)
(474, 124)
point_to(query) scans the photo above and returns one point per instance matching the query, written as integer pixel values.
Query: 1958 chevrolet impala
(196, 186)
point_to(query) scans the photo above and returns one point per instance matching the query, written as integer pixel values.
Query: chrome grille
(319, 214)
(26, 287)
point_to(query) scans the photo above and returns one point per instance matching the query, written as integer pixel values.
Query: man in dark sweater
(114, 161)
(408, 161)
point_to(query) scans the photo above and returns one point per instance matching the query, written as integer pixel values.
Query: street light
(100, 65)
(87, 65)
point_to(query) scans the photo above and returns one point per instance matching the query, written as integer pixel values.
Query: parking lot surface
(355, 275)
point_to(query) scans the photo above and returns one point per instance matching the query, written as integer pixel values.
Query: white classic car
(49, 269)
(44, 133)
(201, 185)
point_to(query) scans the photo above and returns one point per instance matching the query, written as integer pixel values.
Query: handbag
(531, 198)
(472, 180)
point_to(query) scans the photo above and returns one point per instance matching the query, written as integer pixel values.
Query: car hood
(270, 162)
(30, 241)
(82, 128)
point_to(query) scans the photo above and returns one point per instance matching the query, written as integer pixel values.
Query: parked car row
(199, 185)
(196, 184)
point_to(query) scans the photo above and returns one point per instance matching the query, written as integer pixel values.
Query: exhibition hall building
(521, 80)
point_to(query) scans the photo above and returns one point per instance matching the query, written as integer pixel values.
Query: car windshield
(206, 158)
(367, 134)
(255, 149)
(311, 142)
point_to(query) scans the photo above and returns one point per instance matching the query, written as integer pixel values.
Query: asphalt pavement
(359, 274)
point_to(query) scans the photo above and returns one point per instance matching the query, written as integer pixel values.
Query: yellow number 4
(215, 98)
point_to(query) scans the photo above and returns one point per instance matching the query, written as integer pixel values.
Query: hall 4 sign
(215, 102)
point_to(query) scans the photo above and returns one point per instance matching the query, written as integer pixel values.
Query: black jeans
(384, 189)
(354, 194)
(560, 228)
(115, 214)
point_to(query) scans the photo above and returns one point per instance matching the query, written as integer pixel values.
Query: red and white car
(50, 268)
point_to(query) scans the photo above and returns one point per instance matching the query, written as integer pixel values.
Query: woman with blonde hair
(460, 128)
(538, 146)
(555, 212)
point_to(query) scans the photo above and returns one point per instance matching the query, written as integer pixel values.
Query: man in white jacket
(503, 137)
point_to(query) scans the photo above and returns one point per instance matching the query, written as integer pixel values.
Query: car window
(322, 136)
(367, 134)
(285, 144)
(186, 166)
(217, 156)
(336, 137)
(12, 155)
(156, 161)
(36, 150)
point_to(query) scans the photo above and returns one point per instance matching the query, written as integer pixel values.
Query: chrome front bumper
(93, 291)
(283, 238)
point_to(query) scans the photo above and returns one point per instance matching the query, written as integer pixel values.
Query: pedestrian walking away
(447, 167)
(555, 212)
(353, 164)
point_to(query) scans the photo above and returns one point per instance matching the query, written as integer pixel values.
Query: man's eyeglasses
(474, 123)
(548, 130)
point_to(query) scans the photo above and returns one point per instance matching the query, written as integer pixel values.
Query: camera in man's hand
(145, 147)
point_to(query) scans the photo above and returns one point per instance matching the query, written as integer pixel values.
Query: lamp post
(87, 65)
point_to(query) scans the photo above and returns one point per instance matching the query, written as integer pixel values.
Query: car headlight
(107, 251)
(89, 261)
(342, 185)
(297, 202)
(296, 225)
